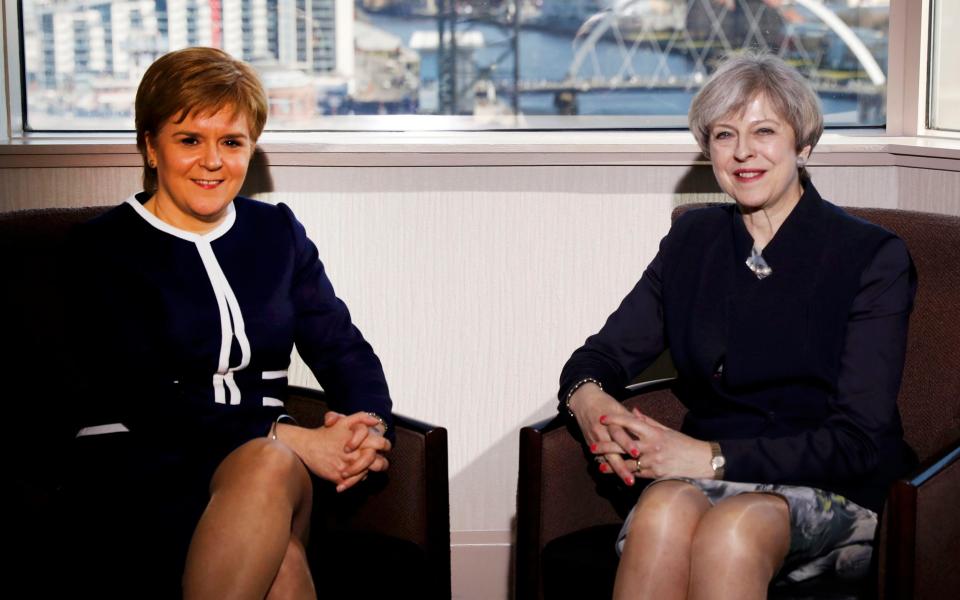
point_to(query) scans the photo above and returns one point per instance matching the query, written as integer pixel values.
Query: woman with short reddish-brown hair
(189, 300)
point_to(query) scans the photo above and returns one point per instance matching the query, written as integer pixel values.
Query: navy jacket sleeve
(863, 414)
(327, 340)
(630, 340)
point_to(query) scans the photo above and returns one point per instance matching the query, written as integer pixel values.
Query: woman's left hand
(371, 447)
(664, 452)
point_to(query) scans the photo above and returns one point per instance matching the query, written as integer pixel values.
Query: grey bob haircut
(739, 80)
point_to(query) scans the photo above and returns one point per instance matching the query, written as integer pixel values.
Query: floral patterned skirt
(829, 535)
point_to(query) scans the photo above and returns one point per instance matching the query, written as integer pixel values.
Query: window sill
(467, 149)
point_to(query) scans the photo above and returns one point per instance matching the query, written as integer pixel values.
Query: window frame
(928, 100)
(907, 91)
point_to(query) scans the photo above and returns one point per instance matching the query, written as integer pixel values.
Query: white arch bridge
(681, 40)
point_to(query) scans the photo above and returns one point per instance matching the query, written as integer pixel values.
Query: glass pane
(945, 66)
(344, 64)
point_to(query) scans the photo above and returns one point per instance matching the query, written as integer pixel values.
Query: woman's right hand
(591, 406)
(329, 452)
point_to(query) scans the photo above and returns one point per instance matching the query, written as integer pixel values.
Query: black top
(189, 336)
(796, 375)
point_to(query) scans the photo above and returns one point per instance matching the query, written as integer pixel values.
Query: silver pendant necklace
(756, 264)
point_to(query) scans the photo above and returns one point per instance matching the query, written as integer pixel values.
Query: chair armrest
(410, 502)
(559, 491)
(920, 531)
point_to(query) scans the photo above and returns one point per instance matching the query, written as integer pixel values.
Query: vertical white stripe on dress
(231, 319)
(231, 324)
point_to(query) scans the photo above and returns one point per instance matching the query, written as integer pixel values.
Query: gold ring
(639, 466)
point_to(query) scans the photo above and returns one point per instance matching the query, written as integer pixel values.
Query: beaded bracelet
(577, 386)
(379, 418)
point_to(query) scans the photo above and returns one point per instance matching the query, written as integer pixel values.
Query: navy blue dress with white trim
(182, 343)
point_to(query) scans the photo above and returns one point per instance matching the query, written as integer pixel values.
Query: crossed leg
(250, 541)
(679, 546)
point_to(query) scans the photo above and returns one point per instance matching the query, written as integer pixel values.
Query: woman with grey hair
(786, 319)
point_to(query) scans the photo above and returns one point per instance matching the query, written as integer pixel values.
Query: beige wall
(474, 284)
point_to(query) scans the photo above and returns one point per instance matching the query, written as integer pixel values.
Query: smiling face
(754, 158)
(201, 164)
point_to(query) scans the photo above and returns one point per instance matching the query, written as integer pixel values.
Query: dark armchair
(403, 517)
(568, 517)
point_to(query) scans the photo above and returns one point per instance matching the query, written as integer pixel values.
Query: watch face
(717, 462)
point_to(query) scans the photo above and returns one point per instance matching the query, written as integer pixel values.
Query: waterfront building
(86, 57)
(118, 38)
(69, 41)
(388, 73)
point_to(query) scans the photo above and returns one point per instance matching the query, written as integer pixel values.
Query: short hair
(195, 80)
(740, 79)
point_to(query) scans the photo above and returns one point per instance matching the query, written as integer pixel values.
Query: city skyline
(84, 58)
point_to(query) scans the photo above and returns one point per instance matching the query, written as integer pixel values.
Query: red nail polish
(603, 419)
(629, 480)
(593, 447)
(604, 468)
(634, 452)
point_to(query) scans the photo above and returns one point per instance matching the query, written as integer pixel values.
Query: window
(495, 63)
(944, 88)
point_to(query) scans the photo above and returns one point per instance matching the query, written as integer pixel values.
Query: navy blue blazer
(190, 336)
(795, 375)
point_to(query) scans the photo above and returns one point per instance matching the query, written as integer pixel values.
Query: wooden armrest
(559, 490)
(920, 532)
(409, 502)
(310, 404)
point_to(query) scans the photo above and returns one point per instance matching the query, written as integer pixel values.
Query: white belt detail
(231, 324)
(219, 391)
(103, 429)
(232, 386)
(223, 382)
(266, 375)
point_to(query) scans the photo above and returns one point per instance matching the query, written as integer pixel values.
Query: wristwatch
(717, 461)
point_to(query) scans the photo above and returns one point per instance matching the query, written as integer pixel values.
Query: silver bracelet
(379, 418)
(577, 386)
(273, 428)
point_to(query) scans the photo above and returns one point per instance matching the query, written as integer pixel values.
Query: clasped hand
(343, 451)
(631, 444)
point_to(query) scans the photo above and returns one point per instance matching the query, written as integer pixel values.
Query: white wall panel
(927, 190)
(474, 284)
(475, 293)
(25, 188)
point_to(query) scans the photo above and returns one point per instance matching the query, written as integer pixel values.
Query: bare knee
(749, 531)
(263, 464)
(656, 554)
(669, 507)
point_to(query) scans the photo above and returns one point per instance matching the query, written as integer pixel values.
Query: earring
(801, 162)
(152, 163)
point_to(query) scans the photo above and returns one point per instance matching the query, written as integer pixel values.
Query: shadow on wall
(501, 459)
(258, 179)
(696, 184)
(498, 461)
